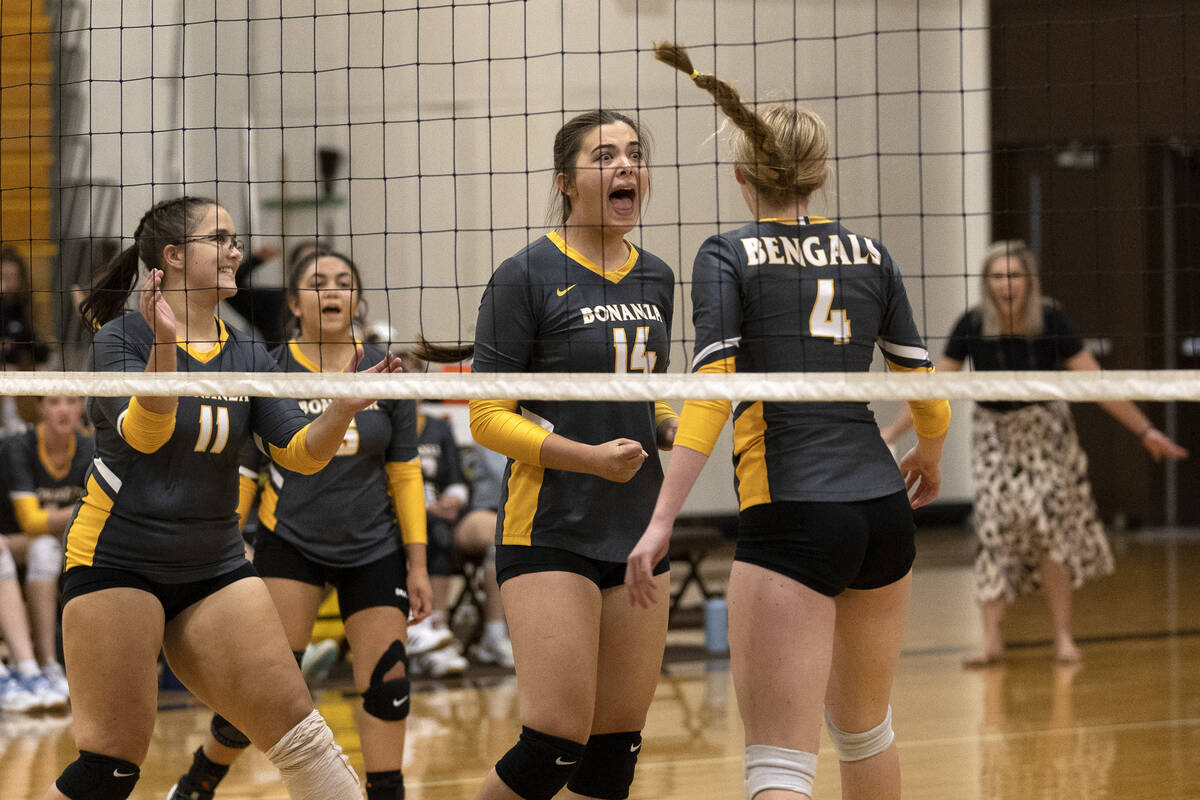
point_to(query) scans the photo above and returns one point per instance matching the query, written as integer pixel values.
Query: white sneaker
(494, 650)
(425, 638)
(440, 663)
(14, 696)
(47, 696)
(53, 672)
(318, 659)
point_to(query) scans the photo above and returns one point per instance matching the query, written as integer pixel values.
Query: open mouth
(623, 201)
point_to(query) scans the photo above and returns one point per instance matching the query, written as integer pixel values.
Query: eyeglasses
(221, 239)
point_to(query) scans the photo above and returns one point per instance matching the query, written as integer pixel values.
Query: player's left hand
(639, 567)
(1161, 446)
(389, 364)
(665, 433)
(420, 594)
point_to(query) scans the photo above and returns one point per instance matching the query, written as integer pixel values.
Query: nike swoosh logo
(562, 763)
(400, 702)
(633, 748)
(401, 593)
(118, 774)
(560, 293)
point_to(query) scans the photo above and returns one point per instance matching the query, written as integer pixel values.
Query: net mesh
(415, 137)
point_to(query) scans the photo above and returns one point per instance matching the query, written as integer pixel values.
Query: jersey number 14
(639, 359)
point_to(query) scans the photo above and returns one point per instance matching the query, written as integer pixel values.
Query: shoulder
(1052, 311)
(654, 266)
(529, 260)
(970, 323)
(128, 326)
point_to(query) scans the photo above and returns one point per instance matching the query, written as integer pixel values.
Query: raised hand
(156, 311)
(387, 365)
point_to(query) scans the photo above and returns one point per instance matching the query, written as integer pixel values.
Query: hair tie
(695, 73)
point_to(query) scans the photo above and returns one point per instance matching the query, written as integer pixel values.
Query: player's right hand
(618, 460)
(155, 311)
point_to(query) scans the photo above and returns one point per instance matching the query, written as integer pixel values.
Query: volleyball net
(415, 137)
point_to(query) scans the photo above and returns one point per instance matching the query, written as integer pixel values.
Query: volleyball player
(154, 557)
(819, 587)
(339, 527)
(45, 469)
(579, 486)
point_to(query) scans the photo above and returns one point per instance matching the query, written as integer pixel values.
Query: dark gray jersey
(31, 475)
(171, 515)
(548, 309)
(342, 516)
(806, 296)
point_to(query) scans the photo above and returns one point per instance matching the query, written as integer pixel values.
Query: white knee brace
(8, 567)
(769, 767)
(312, 764)
(857, 746)
(44, 561)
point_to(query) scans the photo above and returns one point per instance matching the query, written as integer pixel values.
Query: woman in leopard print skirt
(1034, 514)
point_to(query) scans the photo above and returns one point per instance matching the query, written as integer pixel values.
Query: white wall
(445, 116)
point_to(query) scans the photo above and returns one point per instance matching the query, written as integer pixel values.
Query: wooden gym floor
(1125, 723)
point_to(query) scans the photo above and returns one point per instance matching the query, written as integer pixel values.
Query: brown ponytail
(440, 353)
(783, 152)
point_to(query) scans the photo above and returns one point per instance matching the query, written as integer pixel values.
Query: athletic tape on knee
(606, 769)
(8, 567)
(539, 764)
(769, 767)
(44, 560)
(388, 700)
(857, 746)
(312, 765)
(96, 777)
(227, 734)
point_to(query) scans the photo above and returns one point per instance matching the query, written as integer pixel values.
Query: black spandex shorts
(519, 559)
(174, 597)
(379, 583)
(830, 547)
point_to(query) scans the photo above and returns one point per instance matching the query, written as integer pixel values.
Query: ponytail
(440, 353)
(111, 288)
(783, 153)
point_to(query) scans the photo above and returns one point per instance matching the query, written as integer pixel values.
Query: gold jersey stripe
(84, 533)
(524, 487)
(749, 444)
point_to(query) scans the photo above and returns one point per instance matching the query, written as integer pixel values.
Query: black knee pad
(224, 732)
(539, 764)
(385, 785)
(606, 769)
(96, 777)
(388, 700)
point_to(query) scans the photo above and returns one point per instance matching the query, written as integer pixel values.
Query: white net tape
(1157, 385)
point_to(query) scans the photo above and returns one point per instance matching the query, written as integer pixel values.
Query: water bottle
(716, 626)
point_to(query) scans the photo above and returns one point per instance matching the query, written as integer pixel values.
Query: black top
(1047, 351)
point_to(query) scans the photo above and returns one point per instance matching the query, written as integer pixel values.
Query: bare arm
(1157, 443)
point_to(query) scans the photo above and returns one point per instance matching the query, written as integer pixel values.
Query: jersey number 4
(213, 438)
(826, 320)
(637, 360)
